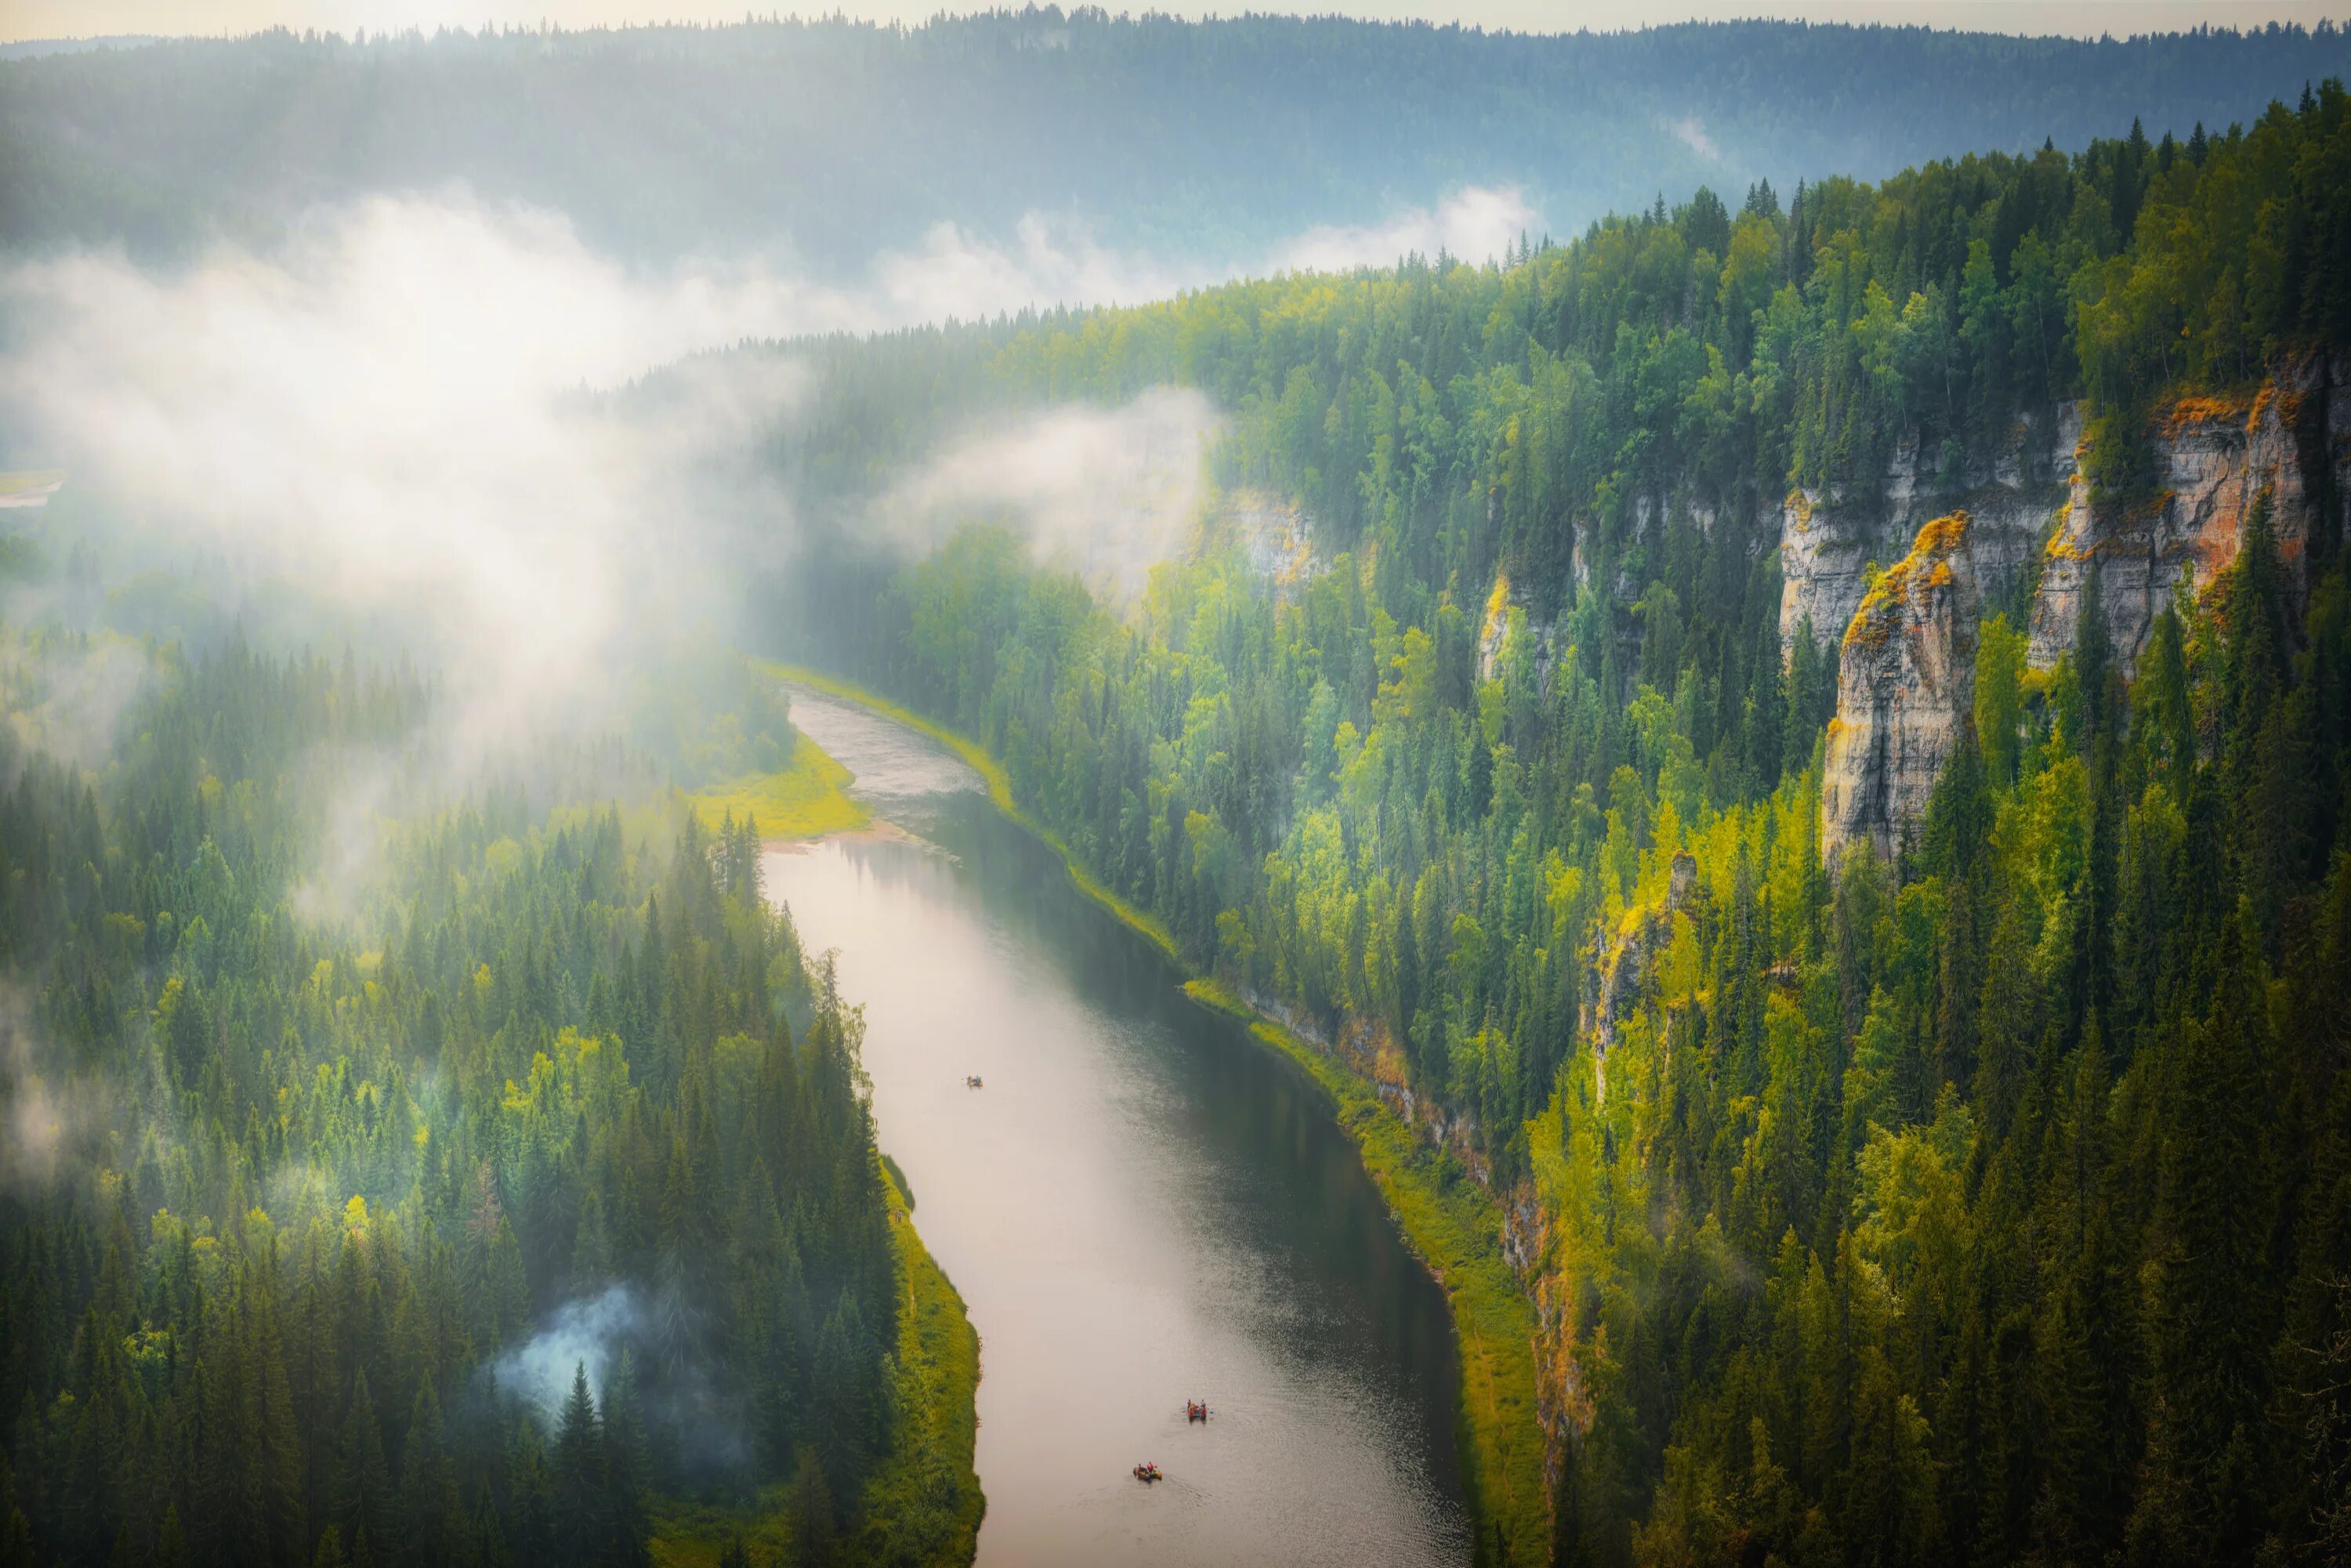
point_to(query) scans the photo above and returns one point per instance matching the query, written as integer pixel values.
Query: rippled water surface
(1141, 1206)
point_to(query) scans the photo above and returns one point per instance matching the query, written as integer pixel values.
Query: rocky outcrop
(1494, 631)
(1906, 681)
(2216, 458)
(1276, 535)
(1620, 969)
(1907, 676)
(1828, 539)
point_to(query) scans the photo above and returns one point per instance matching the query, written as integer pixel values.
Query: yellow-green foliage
(2000, 694)
(924, 1504)
(1456, 1227)
(807, 800)
(1584, 1147)
(695, 1537)
(1929, 562)
(1448, 1219)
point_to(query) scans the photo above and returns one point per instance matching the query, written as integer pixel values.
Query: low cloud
(1049, 263)
(1692, 134)
(681, 1377)
(417, 424)
(588, 1332)
(387, 416)
(1475, 224)
(1107, 492)
(41, 1114)
(67, 697)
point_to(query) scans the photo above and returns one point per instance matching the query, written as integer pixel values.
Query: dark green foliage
(321, 1174)
(1984, 1205)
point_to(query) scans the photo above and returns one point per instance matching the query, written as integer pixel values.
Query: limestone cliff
(1907, 677)
(1620, 967)
(1828, 539)
(2215, 458)
(1493, 631)
(1274, 533)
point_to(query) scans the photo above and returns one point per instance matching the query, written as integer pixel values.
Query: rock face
(1907, 676)
(1493, 631)
(1276, 537)
(1620, 969)
(1907, 679)
(1827, 539)
(2215, 458)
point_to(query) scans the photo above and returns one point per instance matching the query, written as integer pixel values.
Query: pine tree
(626, 1467)
(530, 1523)
(2213, 1322)
(171, 1542)
(2084, 1366)
(433, 1521)
(16, 1530)
(580, 1515)
(810, 1512)
(363, 1496)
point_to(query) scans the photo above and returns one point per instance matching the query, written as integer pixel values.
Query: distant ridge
(34, 48)
(1205, 141)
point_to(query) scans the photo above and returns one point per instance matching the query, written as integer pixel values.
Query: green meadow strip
(1456, 1227)
(923, 1505)
(1449, 1220)
(810, 799)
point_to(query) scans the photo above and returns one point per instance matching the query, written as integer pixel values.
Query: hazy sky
(90, 18)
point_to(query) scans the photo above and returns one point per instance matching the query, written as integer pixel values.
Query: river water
(1142, 1205)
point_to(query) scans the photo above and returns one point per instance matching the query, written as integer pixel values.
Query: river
(1142, 1205)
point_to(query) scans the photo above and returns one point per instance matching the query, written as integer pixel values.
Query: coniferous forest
(1783, 761)
(566, 1058)
(1981, 1198)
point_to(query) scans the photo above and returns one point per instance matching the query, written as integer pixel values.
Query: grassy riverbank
(924, 1504)
(807, 800)
(1456, 1229)
(1449, 1220)
(1000, 788)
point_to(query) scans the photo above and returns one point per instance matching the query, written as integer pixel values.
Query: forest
(831, 139)
(1987, 1202)
(492, 1220)
(418, 1154)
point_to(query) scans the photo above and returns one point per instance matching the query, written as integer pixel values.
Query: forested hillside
(1207, 142)
(488, 1222)
(1984, 1198)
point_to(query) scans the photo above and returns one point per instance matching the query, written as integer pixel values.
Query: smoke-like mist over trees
(421, 1140)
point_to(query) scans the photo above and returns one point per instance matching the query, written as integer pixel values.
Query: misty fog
(411, 412)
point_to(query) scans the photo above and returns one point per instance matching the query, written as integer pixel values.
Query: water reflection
(1141, 1207)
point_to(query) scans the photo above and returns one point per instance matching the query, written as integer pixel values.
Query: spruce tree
(581, 1516)
(433, 1518)
(2213, 1322)
(627, 1467)
(363, 1494)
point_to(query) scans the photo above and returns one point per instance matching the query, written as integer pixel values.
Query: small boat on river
(1196, 1410)
(1146, 1472)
